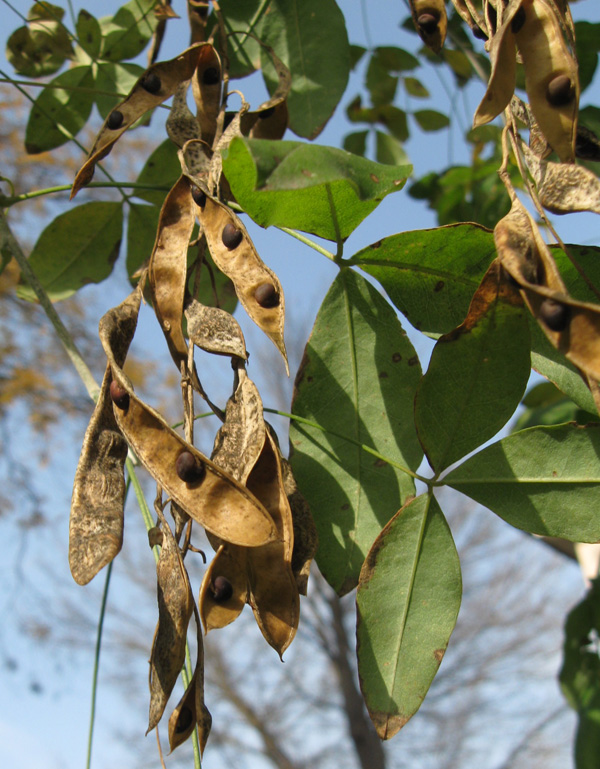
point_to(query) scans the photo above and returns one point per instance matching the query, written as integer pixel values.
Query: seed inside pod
(265, 113)
(188, 468)
(184, 721)
(221, 589)
(555, 314)
(479, 33)
(231, 236)
(151, 83)
(266, 295)
(199, 196)
(518, 20)
(118, 395)
(211, 76)
(427, 23)
(560, 91)
(115, 120)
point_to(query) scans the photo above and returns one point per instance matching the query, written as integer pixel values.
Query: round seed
(211, 76)
(188, 468)
(266, 295)
(115, 120)
(518, 20)
(427, 23)
(555, 315)
(118, 395)
(151, 83)
(184, 721)
(199, 196)
(221, 589)
(231, 236)
(265, 113)
(560, 91)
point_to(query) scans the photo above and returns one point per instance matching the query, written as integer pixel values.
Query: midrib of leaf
(540, 479)
(411, 267)
(301, 52)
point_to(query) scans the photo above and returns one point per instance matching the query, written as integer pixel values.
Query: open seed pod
(431, 22)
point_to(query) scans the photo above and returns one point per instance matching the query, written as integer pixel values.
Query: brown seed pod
(266, 295)
(229, 563)
(199, 196)
(151, 83)
(222, 589)
(206, 88)
(305, 531)
(554, 314)
(114, 120)
(431, 22)
(214, 330)
(119, 396)
(189, 469)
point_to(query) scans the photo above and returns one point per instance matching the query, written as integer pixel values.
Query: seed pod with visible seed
(211, 76)
(199, 196)
(555, 314)
(560, 91)
(189, 468)
(266, 295)
(151, 83)
(115, 120)
(427, 23)
(119, 395)
(266, 113)
(431, 21)
(221, 589)
(231, 236)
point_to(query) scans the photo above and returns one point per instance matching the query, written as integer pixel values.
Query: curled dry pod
(305, 531)
(245, 268)
(229, 563)
(551, 78)
(214, 330)
(140, 100)
(168, 265)
(181, 124)
(431, 22)
(270, 120)
(175, 606)
(96, 521)
(206, 87)
(501, 84)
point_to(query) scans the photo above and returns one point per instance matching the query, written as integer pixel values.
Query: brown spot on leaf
(386, 725)
(374, 178)
(396, 357)
(306, 172)
(438, 654)
(379, 463)
(383, 374)
(376, 245)
(413, 361)
(345, 506)
(439, 286)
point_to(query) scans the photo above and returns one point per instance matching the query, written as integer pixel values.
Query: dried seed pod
(266, 295)
(222, 589)
(229, 563)
(171, 74)
(554, 314)
(305, 531)
(271, 119)
(206, 87)
(214, 330)
(189, 468)
(551, 77)
(191, 710)
(199, 196)
(231, 237)
(119, 396)
(114, 120)
(151, 83)
(182, 127)
(175, 606)
(245, 268)
(431, 22)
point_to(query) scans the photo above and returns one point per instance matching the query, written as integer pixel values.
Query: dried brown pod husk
(546, 59)
(175, 606)
(96, 520)
(242, 264)
(214, 330)
(168, 266)
(181, 124)
(206, 88)
(431, 22)
(305, 532)
(139, 101)
(230, 562)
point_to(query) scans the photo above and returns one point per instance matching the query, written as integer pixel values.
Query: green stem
(59, 87)
(186, 675)
(363, 446)
(6, 202)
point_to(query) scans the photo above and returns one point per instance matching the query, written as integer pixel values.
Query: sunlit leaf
(126, 34)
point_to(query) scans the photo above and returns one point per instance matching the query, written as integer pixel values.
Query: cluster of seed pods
(244, 495)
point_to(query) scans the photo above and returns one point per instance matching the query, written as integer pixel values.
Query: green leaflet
(243, 51)
(357, 379)
(407, 601)
(162, 169)
(89, 33)
(545, 480)
(310, 37)
(41, 47)
(126, 34)
(59, 114)
(118, 79)
(321, 190)
(431, 120)
(476, 378)
(77, 248)
(142, 223)
(587, 36)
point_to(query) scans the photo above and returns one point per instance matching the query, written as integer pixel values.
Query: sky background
(44, 691)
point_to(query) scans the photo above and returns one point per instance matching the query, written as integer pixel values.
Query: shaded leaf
(415, 87)
(161, 169)
(77, 248)
(356, 142)
(142, 223)
(41, 47)
(126, 34)
(545, 480)
(407, 603)
(359, 360)
(243, 50)
(587, 36)
(297, 185)
(431, 120)
(389, 150)
(89, 33)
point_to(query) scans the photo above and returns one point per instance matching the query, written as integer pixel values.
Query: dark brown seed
(518, 20)
(115, 120)
(188, 468)
(222, 589)
(184, 721)
(211, 76)
(231, 236)
(118, 395)
(199, 196)
(479, 33)
(555, 314)
(266, 295)
(587, 146)
(560, 91)
(151, 83)
(427, 23)
(265, 113)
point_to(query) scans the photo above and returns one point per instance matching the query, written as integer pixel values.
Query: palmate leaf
(358, 379)
(545, 480)
(408, 600)
(321, 190)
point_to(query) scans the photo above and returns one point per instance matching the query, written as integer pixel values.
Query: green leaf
(77, 248)
(356, 143)
(407, 604)
(587, 37)
(117, 79)
(545, 404)
(126, 34)
(389, 150)
(431, 275)
(89, 33)
(357, 379)
(41, 47)
(57, 113)
(243, 50)
(545, 480)
(162, 169)
(415, 88)
(393, 118)
(356, 54)
(310, 37)
(580, 674)
(142, 224)
(380, 84)
(476, 378)
(321, 190)
(431, 120)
